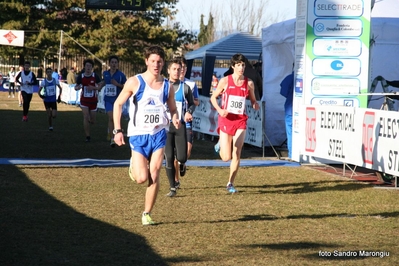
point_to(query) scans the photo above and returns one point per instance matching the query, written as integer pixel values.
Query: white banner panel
(12, 37)
(206, 121)
(359, 136)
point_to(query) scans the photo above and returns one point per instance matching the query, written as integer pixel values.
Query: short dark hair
(237, 58)
(174, 61)
(113, 57)
(155, 49)
(182, 59)
(49, 68)
(88, 60)
(27, 63)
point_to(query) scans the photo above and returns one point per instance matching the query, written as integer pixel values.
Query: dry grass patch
(281, 216)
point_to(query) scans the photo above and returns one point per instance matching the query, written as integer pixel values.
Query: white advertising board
(359, 136)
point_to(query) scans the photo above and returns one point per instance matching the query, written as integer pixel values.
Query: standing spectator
(176, 142)
(114, 80)
(12, 74)
(91, 84)
(18, 87)
(232, 120)
(26, 79)
(71, 77)
(40, 72)
(148, 93)
(287, 90)
(55, 74)
(48, 92)
(64, 73)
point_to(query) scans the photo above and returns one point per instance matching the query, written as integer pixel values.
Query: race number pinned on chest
(87, 93)
(110, 90)
(50, 90)
(152, 116)
(236, 104)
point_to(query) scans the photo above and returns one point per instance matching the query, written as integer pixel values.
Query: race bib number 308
(236, 104)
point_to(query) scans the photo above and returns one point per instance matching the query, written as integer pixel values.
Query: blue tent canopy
(241, 42)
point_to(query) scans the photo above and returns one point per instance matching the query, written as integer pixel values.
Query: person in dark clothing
(176, 142)
(26, 79)
(64, 73)
(40, 72)
(287, 90)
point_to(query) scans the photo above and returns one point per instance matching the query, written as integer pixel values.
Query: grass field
(91, 215)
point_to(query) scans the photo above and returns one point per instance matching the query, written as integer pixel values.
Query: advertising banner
(12, 37)
(359, 136)
(337, 52)
(332, 58)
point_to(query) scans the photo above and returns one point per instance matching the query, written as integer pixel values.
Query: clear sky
(190, 11)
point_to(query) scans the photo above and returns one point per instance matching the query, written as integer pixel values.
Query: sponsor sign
(12, 37)
(335, 86)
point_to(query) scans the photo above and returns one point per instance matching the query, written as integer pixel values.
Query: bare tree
(243, 15)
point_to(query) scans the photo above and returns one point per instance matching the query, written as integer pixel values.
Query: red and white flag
(12, 37)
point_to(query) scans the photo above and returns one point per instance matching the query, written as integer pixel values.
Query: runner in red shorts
(90, 84)
(232, 119)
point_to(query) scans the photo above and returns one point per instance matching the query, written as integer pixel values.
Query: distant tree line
(102, 32)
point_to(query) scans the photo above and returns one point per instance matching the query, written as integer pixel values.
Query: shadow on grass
(267, 217)
(292, 245)
(306, 187)
(37, 229)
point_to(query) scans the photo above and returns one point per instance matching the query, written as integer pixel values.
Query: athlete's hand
(119, 139)
(188, 117)
(223, 112)
(176, 123)
(114, 82)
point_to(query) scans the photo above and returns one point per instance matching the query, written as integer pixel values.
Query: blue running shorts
(147, 144)
(109, 106)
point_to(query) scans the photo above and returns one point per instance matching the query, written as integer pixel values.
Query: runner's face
(113, 64)
(26, 67)
(88, 68)
(154, 64)
(174, 72)
(183, 71)
(239, 68)
(49, 73)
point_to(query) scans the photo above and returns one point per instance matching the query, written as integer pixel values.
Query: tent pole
(59, 55)
(264, 132)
